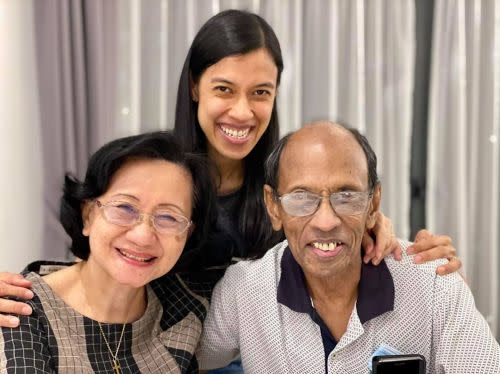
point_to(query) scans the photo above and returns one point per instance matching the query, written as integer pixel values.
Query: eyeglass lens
(305, 203)
(127, 215)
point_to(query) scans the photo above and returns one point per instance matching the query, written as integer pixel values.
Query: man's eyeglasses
(124, 214)
(344, 203)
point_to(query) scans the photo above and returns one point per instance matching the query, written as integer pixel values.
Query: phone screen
(407, 364)
(407, 367)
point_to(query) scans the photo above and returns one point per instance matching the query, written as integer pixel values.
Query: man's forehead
(320, 136)
(322, 148)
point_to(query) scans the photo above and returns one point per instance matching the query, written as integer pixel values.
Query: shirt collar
(375, 289)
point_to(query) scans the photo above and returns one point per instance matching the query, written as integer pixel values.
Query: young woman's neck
(230, 173)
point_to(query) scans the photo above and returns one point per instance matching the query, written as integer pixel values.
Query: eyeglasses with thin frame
(344, 203)
(125, 214)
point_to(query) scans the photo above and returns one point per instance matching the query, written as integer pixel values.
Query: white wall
(20, 151)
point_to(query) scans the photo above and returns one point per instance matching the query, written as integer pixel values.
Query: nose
(241, 109)
(143, 232)
(325, 218)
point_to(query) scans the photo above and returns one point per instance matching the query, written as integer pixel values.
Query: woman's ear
(194, 89)
(374, 207)
(272, 207)
(86, 209)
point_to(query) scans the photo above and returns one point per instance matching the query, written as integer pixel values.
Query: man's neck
(334, 298)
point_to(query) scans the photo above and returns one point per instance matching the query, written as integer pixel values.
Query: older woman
(129, 221)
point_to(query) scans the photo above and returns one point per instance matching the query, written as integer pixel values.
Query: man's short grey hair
(271, 166)
(272, 163)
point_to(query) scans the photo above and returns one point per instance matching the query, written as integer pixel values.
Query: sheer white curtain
(20, 145)
(344, 59)
(464, 162)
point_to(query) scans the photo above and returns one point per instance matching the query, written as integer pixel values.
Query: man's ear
(191, 228)
(86, 209)
(374, 207)
(272, 207)
(194, 89)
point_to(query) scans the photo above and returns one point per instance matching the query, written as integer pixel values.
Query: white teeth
(238, 134)
(141, 259)
(326, 246)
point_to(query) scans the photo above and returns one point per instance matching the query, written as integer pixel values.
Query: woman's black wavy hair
(104, 163)
(233, 32)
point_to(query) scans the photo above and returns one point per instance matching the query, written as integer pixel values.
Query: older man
(310, 305)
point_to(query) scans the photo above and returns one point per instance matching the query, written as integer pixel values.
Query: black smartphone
(399, 364)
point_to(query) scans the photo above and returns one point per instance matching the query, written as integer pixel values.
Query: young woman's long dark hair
(233, 32)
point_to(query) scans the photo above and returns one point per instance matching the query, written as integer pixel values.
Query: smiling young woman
(235, 99)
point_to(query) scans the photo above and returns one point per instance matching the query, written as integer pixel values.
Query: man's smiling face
(323, 159)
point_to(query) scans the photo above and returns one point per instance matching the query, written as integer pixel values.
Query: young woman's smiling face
(134, 255)
(235, 101)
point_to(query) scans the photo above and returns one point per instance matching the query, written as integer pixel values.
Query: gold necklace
(116, 367)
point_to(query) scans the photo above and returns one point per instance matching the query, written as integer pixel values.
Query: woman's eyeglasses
(125, 214)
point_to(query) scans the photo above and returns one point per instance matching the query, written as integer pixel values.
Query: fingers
(369, 246)
(383, 250)
(397, 251)
(15, 288)
(453, 265)
(434, 253)
(380, 252)
(384, 244)
(428, 247)
(433, 241)
(383, 232)
(13, 285)
(385, 240)
(12, 307)
(8, 321)
(13, 279)
(421, 235)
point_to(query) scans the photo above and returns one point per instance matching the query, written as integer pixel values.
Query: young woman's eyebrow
(266, 84)
(220, 80)
(226, 81)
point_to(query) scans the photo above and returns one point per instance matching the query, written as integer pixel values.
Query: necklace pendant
(116, 367)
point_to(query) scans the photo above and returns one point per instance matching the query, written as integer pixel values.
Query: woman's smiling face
(134, 255)
(235, 101)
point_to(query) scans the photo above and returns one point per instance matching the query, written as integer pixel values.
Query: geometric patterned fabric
(56, 338)
(433, 315)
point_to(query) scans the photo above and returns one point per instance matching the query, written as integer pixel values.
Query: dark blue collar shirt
(261, 310)
(375, 295)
